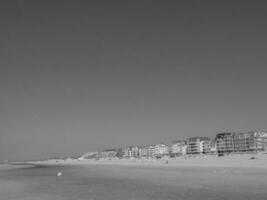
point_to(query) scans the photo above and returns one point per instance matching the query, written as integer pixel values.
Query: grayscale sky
(77, 76)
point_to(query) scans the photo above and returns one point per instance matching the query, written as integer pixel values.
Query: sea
(119, 182)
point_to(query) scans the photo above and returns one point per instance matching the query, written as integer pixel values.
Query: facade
(132, 152)
(212, 147)
(128, 153)
(197, 145)
(145, 151)
(241, 142)
(244, 142)
(151, 151)
(161, 150)
(250, 141)
(178, 148)
(263, 136)
(225, 142)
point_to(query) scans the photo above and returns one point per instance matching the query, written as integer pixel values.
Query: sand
(238, 161)
(134, 180)
(231, 177)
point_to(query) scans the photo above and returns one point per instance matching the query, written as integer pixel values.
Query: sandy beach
(237, 160)
(230, 177)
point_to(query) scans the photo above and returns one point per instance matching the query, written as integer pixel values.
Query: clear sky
(77, 76)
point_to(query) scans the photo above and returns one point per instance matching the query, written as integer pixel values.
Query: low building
(178, 148)
(197, 145)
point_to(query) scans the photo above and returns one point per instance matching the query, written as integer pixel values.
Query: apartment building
(197, 145)
(151, 151)
(178, 148)
(250, 141)
(225, 142)
(145, 151)
(241, 142)
(132, 152)
(161, 149)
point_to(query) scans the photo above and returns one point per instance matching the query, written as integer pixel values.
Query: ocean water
(106, 182)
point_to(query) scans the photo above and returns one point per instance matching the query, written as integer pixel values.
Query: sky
(79, 76)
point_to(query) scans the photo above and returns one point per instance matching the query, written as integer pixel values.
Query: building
(145, 151)
(161, 150)
(250, 141)
(263, 138)
(178, 148)
(241, 142)
(132, 152)
(127, 152)
(197, 145)
(212, 147)
(151, 151)
(225, 142)
(120, 153)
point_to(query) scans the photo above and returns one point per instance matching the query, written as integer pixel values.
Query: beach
(234, 160)
(134, 179)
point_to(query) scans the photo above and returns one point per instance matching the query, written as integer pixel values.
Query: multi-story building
(213, 147)
(151, 151)
(263, 138)
(250, 141)
(197, 145)
(128, 152)
(161, 149)
(132, 152)
(178, 148)
(144, 151)
(241, 142)
(225, 142)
